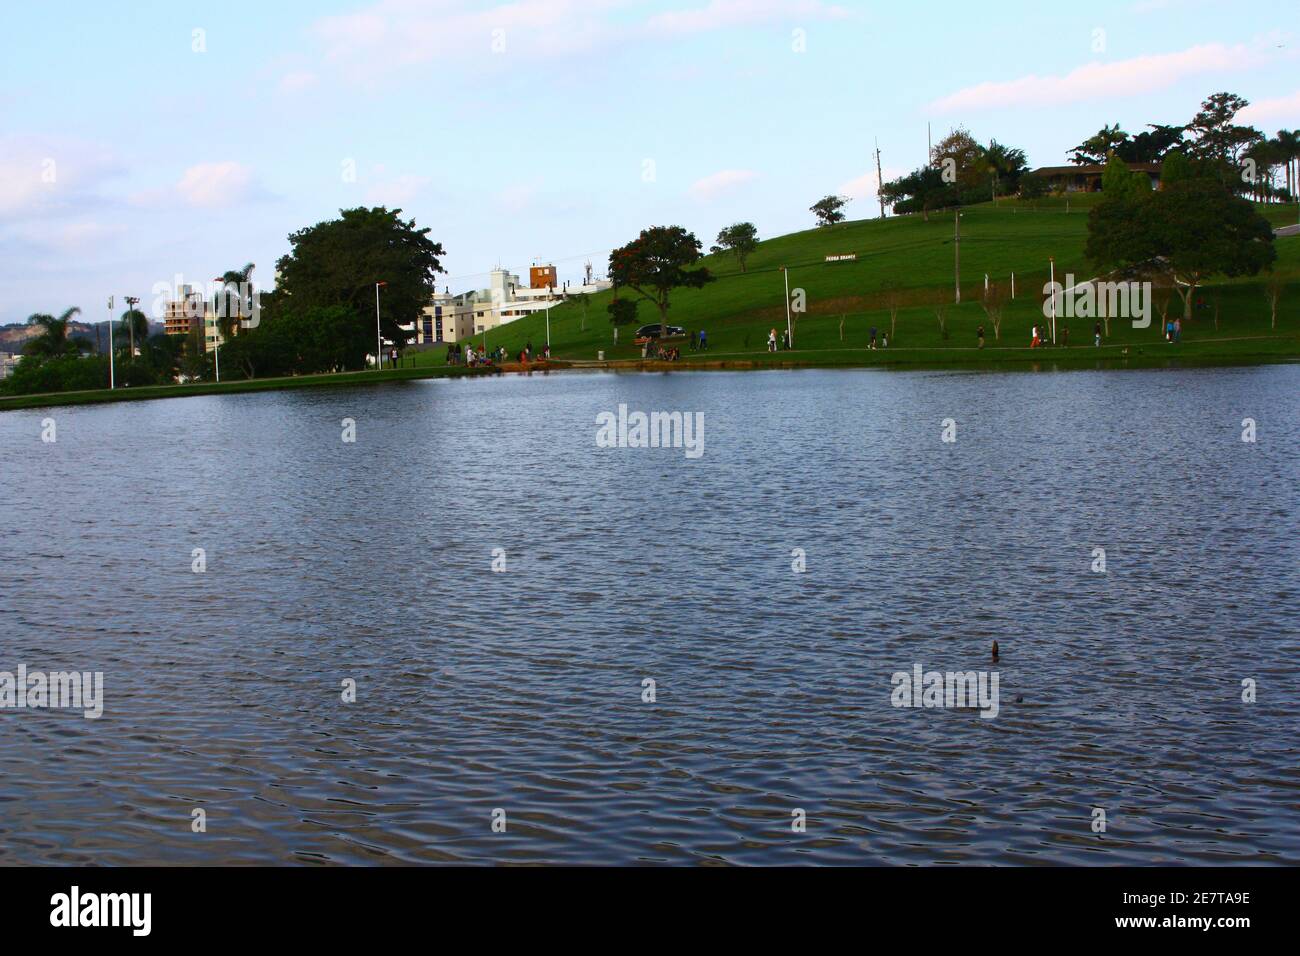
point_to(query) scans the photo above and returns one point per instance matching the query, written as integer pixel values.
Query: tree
(741, 238)
(827, 210)
(920, 190)
(1006, 166)
(337, 263)
(1152, 145)
(621, 312)
(969, 163)
(1190, 230)
(1201, 230)
(994, 302)
(1096, 149)
(135, 325)
(1217, 139)
(1120, 182)
(1288, 146)
(234, 301)
(583, 299)
(1033, 187)
(52, 341)
(656, 262)
(1176, 167)
(892, 294)
(1273, 288)
(940, 305)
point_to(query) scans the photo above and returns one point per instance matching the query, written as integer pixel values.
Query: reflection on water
(522, 690)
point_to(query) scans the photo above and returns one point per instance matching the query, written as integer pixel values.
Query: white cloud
(297, 80)
(396, 192)
(216, 184)
(402, 32)
(719, 14)
(395, 33)
(40, 175)
(1139, 75)
(1282, 110)
(720, 183)
(518, 197)
(864, 186)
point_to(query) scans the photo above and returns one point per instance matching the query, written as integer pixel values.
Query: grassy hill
(844, 299)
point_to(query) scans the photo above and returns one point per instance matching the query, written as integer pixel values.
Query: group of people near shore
(468, 355)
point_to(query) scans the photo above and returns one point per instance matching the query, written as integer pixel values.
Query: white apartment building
(452, 318)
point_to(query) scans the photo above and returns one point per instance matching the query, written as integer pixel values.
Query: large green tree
(1189, 231)
(53, 339)
(741, 238)
(657, 262)
(827, 210)
(339, 261)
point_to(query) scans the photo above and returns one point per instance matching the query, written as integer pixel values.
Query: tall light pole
(130, 320)
(956, 251)
(1052, 260)
(789, 327)
(216, 320)
(112, 375)
(379, 342)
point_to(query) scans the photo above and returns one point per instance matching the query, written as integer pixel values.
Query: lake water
(522, 690)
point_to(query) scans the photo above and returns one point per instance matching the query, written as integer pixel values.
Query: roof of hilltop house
(1092, 169)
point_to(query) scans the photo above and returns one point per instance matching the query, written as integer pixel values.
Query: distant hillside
(15, 335)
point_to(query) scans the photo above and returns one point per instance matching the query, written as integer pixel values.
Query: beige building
(185, 314)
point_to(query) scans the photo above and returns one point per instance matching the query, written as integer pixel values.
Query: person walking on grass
(1178, 331)
(1096, 335)
(979, 337)
(872, 343)
(1033, 341)
(704, 340)
(771, 341)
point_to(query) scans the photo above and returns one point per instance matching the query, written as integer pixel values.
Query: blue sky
(133, 149)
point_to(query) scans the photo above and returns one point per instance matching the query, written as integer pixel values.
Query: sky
(143, 141)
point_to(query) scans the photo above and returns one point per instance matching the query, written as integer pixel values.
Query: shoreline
(989, 359)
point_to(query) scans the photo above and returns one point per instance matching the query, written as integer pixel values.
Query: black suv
(656, 331)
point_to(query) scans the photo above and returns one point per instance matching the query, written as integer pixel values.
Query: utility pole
(379, 342)
(956, 248)
(880, 181)
(112, 376)
(130, 320)
(1052, 261)
(789, 326)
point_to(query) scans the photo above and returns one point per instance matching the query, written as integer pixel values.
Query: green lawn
(8, 403)
(738, 310)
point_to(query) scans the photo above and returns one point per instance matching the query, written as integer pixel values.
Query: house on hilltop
(1087, 179)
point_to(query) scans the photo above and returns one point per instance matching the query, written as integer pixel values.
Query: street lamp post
(789, 326)
(130, 320)
(216, 319)
(956, 251)
(112, 375)
(379, 342)
(1052, 261)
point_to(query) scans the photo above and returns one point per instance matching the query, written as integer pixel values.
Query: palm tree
(1288, 147)
(235, 300)
(135, 323)
(52, 341)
